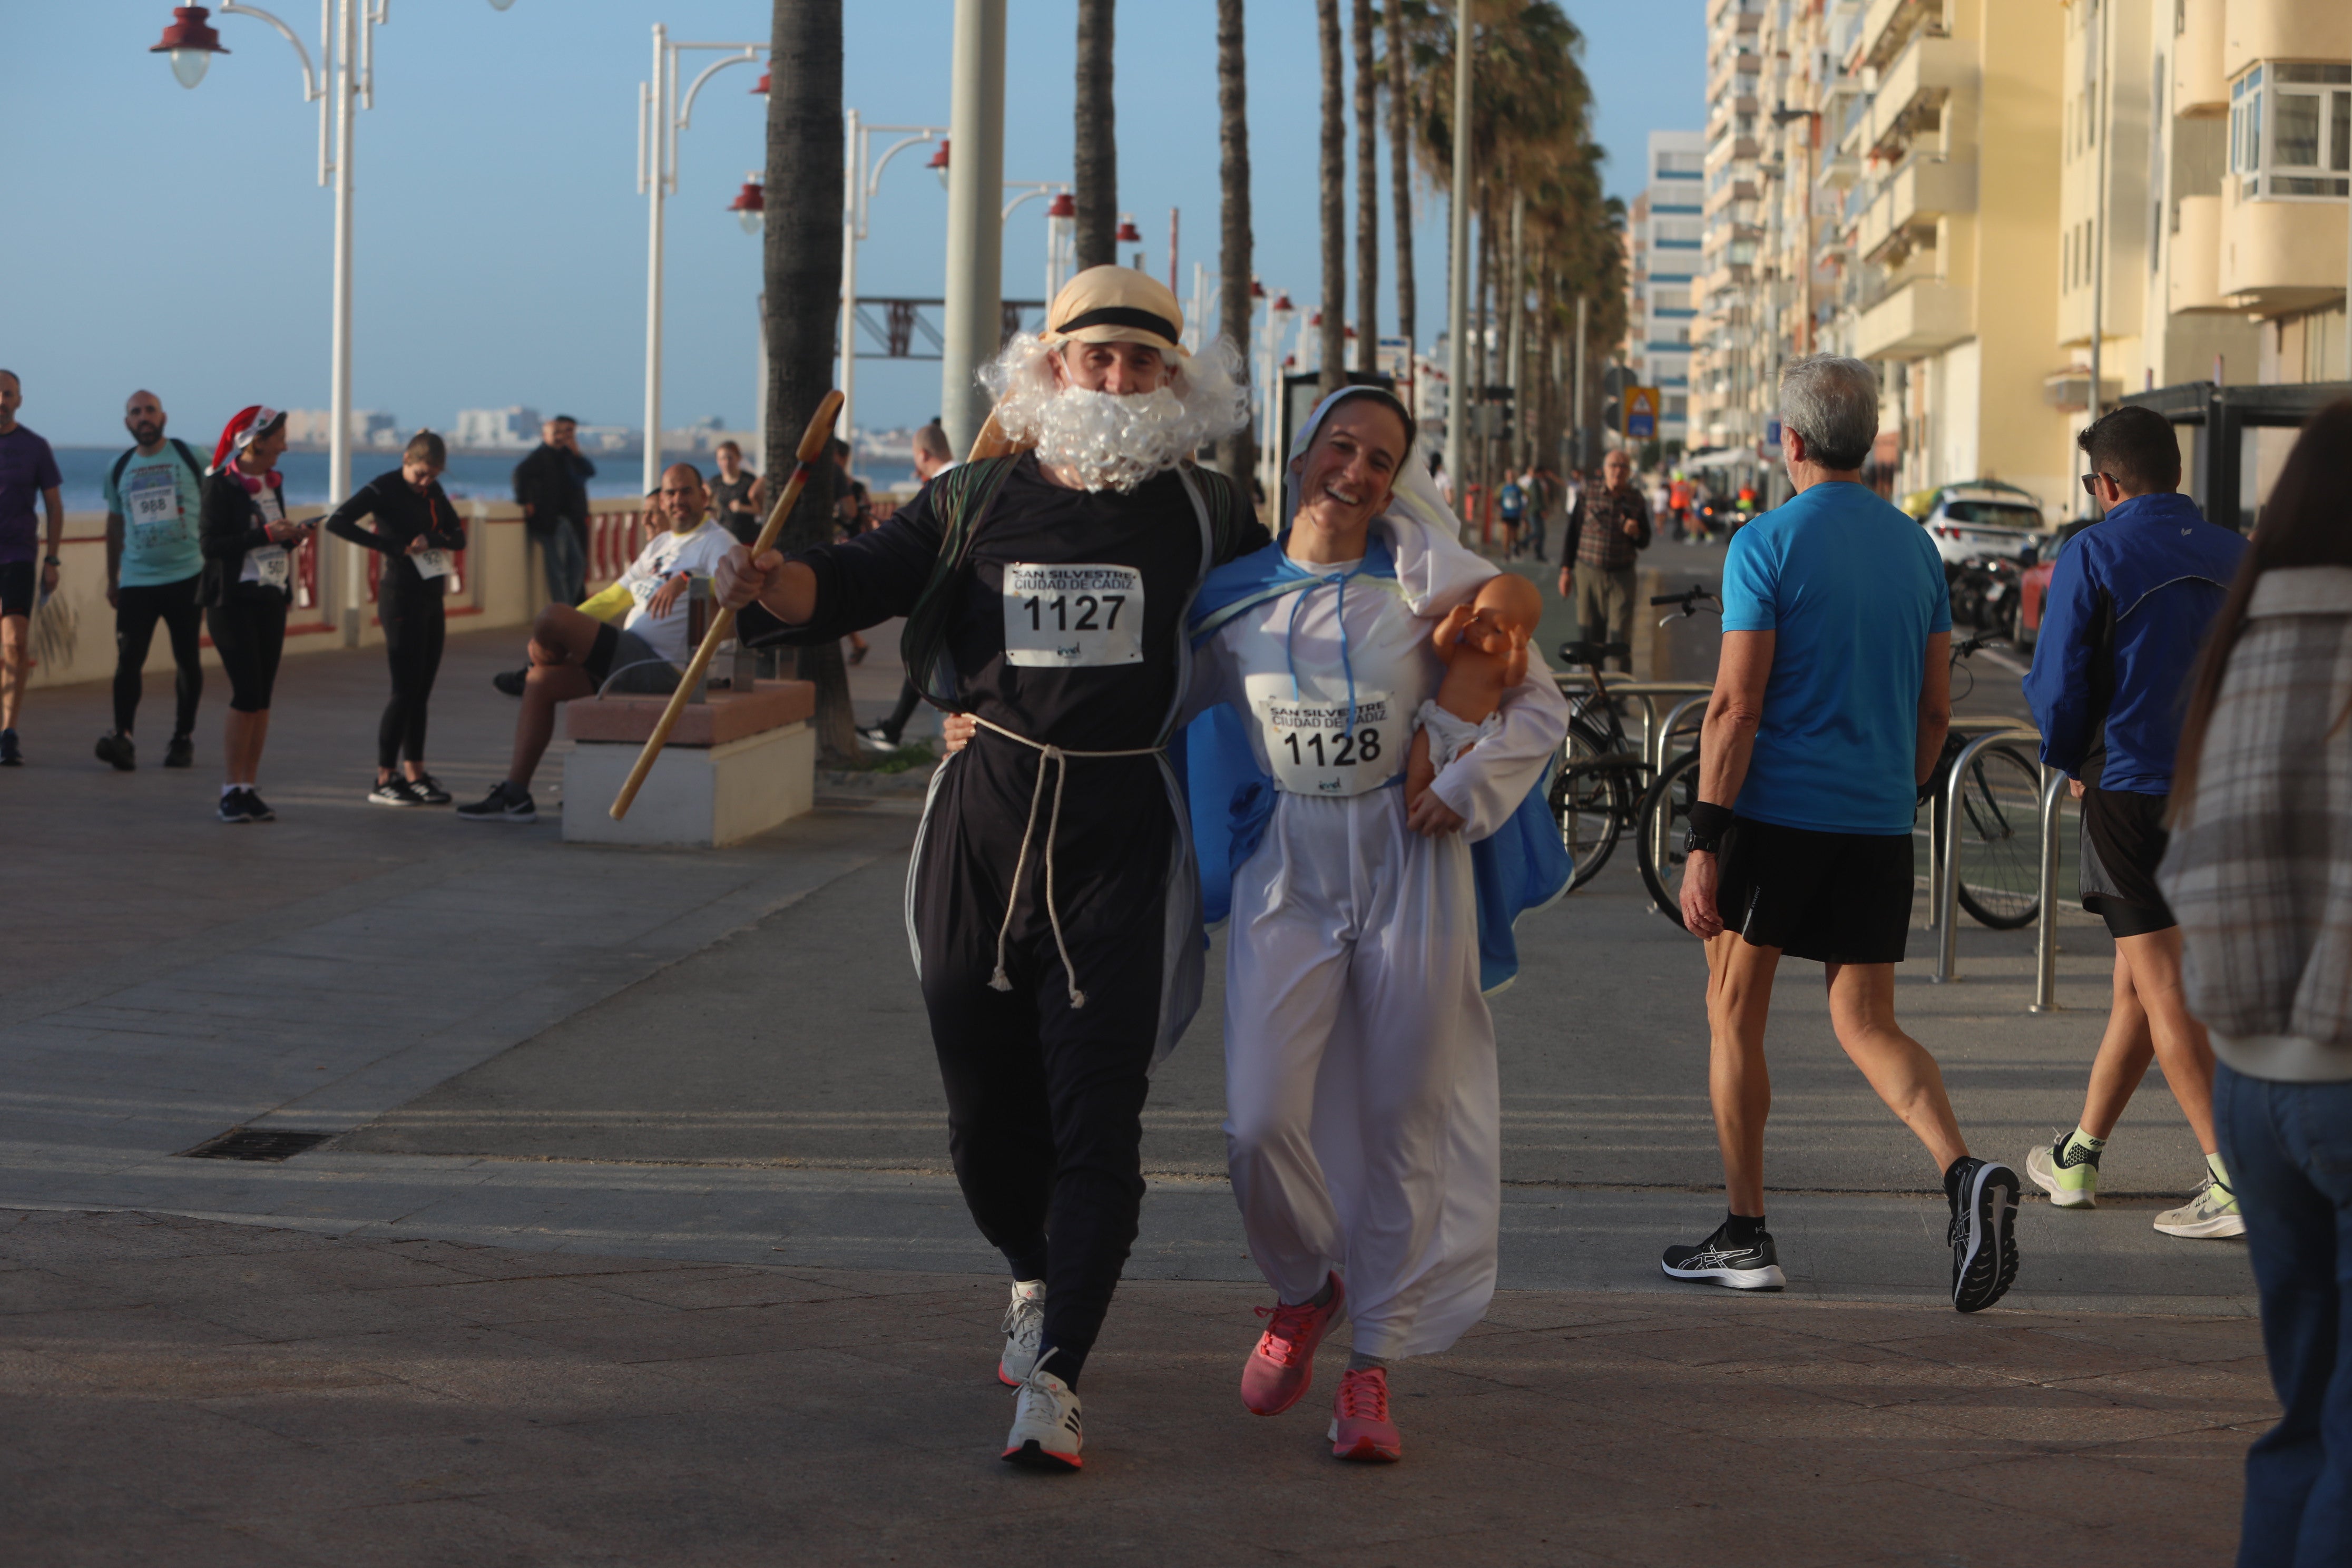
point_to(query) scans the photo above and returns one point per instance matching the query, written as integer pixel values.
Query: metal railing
(1944, 852)
(1654, 735)
(2045, 927)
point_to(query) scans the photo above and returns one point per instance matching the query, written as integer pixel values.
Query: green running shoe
(2071, 1176)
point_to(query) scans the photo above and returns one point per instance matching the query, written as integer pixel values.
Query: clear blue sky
(177, 239)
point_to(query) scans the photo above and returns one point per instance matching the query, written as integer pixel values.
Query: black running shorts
(18, 579)
(1834, 898)
(2123, 842)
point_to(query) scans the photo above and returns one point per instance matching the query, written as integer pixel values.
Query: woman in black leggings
(418, 531)
(249, 581)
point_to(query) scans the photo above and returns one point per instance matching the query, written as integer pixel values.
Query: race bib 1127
(1073, 614)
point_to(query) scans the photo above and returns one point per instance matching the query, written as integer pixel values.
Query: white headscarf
(1434, 567)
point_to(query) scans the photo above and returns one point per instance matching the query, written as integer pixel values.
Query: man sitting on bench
(581, 653)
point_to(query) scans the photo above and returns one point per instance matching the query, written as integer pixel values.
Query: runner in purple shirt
(29, 470)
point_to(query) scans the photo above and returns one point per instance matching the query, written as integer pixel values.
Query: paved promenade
(635, 1242)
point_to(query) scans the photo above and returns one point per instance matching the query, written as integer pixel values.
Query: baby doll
(1485, 646)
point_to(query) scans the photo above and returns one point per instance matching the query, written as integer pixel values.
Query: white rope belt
(1060, 758)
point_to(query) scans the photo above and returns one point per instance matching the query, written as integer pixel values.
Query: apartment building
(1724, 350)
(1662, 236)
(2220, 135)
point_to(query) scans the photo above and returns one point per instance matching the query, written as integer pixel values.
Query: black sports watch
(1697, 843)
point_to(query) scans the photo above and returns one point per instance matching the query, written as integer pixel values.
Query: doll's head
(1508, 608)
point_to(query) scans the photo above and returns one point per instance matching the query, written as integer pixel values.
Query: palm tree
(1335, 202)
(1096, 156)
(1233, 307)
(1400, 62)
(1368, 191)
(802, 276)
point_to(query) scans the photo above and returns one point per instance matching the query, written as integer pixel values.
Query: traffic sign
(1642, 404)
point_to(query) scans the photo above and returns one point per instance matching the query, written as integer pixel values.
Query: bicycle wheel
(1591, 800)
(1659, 822)
(2000, 866)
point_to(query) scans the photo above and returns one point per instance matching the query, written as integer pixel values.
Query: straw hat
(1108, 304)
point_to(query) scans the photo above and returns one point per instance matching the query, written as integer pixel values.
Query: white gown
(1363, 1124)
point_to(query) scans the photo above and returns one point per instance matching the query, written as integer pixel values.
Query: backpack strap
(189, 457)
(114, 475)
(961, 498)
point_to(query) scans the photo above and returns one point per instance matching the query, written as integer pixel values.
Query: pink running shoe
(1360, 1427)
(1282, 1364)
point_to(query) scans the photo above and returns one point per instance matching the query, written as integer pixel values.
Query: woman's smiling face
(1348, 471)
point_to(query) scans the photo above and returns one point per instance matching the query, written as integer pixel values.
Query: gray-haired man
(1830, 709)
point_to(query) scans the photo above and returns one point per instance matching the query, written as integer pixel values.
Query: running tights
(413, 633)
(136, 611)
(248, 632)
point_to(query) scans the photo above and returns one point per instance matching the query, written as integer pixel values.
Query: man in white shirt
(580, 652)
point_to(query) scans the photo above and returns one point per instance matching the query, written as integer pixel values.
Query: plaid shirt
(2260, 870)
(1596, 530)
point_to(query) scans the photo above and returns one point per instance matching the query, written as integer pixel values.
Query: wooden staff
(814, 441)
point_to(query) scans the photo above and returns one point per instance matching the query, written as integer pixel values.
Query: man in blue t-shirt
(28, 474)
(153, 564)
(1831, 704)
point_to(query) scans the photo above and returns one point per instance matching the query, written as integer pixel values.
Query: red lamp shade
(1127, 233)
(1257, 289)
(1281, 304)
(940, 158)
(190, 42)
(1316, 319)
(1063, 206)
(750, 207)
(762, 90)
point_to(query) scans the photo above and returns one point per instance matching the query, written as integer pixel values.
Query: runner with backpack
(154, 568)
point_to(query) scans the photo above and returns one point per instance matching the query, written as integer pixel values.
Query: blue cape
(1521, 867)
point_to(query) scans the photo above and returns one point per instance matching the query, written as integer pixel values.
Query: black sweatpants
(136, 611)
(248, 632)
(414, 628)
(1046, 1100)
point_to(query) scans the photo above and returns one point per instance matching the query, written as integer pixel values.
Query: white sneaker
(1024, 1329)
(1046, 1434)
(2212, 1213)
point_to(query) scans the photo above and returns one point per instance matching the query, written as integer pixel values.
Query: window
(2291, 129)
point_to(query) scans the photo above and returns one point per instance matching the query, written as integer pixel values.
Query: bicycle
(2001, 839)
(1596, 794)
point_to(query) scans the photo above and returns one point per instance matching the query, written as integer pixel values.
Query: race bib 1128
(1313, 748)
(1073, 614)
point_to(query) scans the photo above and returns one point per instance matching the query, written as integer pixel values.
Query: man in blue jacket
(2129, 604)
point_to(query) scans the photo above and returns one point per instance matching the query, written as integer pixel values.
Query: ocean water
(490, 478)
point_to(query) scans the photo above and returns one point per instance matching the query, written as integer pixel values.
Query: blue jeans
(566, 563)
(2289, 1147)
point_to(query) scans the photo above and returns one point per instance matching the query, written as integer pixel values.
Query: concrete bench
(736, 766)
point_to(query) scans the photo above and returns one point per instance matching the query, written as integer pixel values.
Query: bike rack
(1575, 682)
(2045, 925)
(1944, 884)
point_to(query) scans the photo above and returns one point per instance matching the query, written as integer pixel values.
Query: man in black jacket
(552, 486)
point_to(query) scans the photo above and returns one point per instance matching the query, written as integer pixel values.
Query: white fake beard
(1113, 440)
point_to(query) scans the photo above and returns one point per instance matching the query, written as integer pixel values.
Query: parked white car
(1983, 518)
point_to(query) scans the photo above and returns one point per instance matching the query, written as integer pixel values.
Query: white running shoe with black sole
(1983, 1234)
(1025, 1331)
(1753, 1266)
(1046, 1432)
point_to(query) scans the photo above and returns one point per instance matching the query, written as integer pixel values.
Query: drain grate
(256, 1143)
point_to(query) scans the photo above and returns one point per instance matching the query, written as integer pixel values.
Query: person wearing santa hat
(248, 546)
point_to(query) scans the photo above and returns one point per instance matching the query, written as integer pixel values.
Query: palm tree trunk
(803, 276)
(1096, 156)
(1515, 303)
(1401, 175)
(1368, 191)
(1335, 202)
(1234, 308)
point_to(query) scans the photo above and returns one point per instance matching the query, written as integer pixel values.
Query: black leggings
(249, 630)
(413, 633)
(136, 611)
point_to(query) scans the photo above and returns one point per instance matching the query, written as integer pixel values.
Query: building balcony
(1732, 190)
(1839, 170)
(2200, 87)
(1911, 91)
(2194, 283)
(2280, 257)
(2069, 390)
(1922, 318)
(1887, 25)
(1911, 200)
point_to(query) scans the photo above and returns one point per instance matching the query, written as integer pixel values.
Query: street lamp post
(1278, 313)
(347, 56)
(662, 113)
(862, 179)
(1061, 213)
